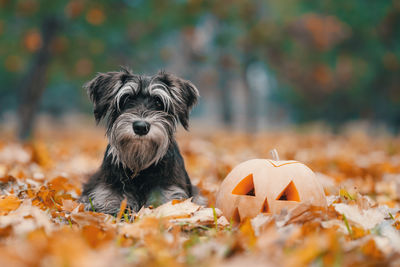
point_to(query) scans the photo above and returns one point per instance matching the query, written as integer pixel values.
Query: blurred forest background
(256, 63)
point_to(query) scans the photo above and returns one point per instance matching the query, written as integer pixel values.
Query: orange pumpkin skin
(267, 186)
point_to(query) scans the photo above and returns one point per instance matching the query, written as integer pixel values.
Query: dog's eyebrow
(153, 86)
(161, 90)
(130, 88)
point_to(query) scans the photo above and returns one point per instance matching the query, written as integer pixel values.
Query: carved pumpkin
(268, 186)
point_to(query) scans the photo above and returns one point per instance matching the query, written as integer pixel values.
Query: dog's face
(141, 113)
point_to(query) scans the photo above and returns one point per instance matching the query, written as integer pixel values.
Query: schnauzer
(142, 162)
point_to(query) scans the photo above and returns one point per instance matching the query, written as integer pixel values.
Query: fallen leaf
(367, 219)
(204, 216)
(178, 210)
(8, 203)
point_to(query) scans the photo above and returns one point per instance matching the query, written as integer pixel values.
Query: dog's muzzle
(141, 127)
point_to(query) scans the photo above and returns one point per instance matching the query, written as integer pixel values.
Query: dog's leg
(159, 195)
(102, 199)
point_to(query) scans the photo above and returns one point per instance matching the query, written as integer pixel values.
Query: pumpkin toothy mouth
(265, 207)
(236, 216)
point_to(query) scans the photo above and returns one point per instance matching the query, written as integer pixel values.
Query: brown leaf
(141, 228)
(69, 205)
(89, 218)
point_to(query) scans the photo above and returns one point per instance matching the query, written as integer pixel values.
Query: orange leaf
(60, 183)
(370, 249)
(69, 205)
(247, 232)
(122, 209)
(95, 236)
(40, 154)
(9, 203)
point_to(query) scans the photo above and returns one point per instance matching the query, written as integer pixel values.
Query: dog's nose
(141, 127)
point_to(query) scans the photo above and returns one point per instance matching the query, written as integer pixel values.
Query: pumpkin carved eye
(290, 193)
(245, 186)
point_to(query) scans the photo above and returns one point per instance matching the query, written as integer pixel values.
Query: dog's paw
(198, 198)
(173, 192)
(102, 199)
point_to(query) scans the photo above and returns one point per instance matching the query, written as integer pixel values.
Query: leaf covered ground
(42, 224)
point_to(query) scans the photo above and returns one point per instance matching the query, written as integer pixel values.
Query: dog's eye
(158, 102)
(125, 99)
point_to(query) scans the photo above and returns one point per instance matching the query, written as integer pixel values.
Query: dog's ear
(190, 94)
(185, 95)
(102, 90)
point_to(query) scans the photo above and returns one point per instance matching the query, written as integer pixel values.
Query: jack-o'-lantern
(268, 186)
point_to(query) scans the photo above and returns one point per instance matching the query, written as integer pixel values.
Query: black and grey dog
(142, 162)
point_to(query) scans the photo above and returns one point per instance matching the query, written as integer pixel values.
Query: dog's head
(141, 113)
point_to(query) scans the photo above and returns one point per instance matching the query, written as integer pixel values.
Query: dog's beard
(139, 152)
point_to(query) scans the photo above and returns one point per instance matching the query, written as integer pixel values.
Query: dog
(142, 162)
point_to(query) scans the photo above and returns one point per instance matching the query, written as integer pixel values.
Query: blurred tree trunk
(226, 99)
(34, 83)
(250, 103)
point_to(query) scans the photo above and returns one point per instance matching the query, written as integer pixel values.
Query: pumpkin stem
(274, 154)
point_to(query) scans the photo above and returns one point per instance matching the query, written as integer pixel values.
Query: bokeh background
(257, 64)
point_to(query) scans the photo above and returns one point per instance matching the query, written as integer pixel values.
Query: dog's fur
(145, 169)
